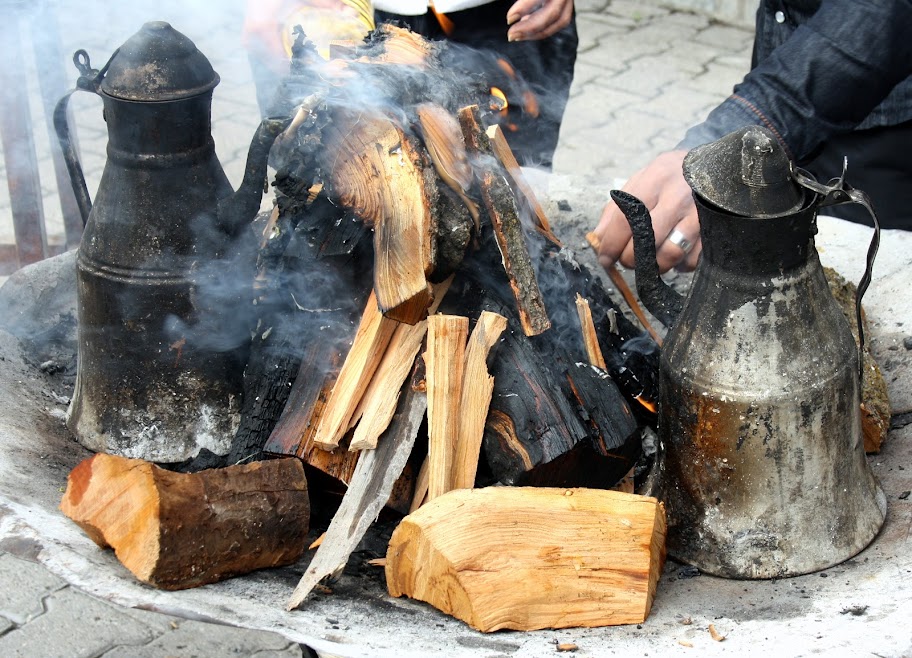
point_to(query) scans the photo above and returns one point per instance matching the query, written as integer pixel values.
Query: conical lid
(745, 173)
(158, 63)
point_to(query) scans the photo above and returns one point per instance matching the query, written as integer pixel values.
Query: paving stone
(74, 625)
(192, 639)
(724, 37)
(23, 585)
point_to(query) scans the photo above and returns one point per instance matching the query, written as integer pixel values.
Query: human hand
(661, 186)
(531, 20)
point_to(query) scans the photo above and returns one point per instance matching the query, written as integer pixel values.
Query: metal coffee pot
(762, 466)
(163, 210)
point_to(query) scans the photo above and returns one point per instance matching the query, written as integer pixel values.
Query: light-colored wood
(378, 404)
(445, 363)
(477, 388)
(590, 338)
(380, 174)
(421, 487)
(505, 154)
(179, 530)
(370, 487)
(371, 340)
(446, 146)
(625, 291)
(527, 558)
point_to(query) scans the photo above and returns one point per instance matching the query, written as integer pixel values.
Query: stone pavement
(644, 74)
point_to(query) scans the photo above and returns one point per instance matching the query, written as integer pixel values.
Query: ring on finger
(680, 240)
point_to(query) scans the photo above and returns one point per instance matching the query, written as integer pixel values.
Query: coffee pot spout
(658, 297)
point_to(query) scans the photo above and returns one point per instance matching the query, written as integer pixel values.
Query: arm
(825, 79)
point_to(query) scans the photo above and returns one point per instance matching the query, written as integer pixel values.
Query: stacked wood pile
(419, 328)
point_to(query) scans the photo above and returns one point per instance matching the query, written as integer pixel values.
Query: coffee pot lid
(746, 173)
(158, 63)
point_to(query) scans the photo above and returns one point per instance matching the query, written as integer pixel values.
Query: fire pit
(858, 603)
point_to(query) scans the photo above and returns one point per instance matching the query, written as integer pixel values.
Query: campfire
(416, 328)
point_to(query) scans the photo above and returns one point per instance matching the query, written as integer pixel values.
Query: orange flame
(446, 24)
(498, 100)
(506, 68)
(646, 403)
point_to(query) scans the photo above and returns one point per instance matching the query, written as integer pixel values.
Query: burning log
(482, 556)
(181, 530)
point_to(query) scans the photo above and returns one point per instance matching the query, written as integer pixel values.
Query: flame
(498, 100)
(530, 103)
(446, 24)
(646, 403)
(506, 67)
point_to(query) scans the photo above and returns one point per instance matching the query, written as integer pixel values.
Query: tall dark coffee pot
(163, 210)
(762, 465)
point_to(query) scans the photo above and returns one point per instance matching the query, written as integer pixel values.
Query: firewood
(529, 558)
(379, 173)
(378, 404)
(421, 487)
(180, 530)
(477, 388)
(371, 486)
(590, 339)
(374, 333)
(594, 352)
(501, 207)
(400, 46)
(505, 155)
(446, 146)
(445, 362)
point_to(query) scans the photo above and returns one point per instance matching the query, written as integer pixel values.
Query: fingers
(662, 188)
(531, 20)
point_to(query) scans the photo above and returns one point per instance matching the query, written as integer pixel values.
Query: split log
(378, 172)
(445, 363)
(371, 486)
(378, 404)
(590, 338)
(486, 556)
(477, 388)
(180, 530)
(501, 207)
(371, 340)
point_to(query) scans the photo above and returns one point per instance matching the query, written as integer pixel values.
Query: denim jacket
(821, 67)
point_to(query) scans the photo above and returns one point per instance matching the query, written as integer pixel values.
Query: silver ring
(680, 240)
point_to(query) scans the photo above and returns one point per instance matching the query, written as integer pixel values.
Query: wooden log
(531, 558)
(477, 388)
(371, 486)
(501, 207)
(374, 333)
(180, 530)
(445, 362)
(380, 174)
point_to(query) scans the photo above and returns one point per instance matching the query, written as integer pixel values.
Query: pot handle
(89, 80)
(837, 192)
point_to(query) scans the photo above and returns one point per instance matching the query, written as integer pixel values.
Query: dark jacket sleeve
(824, 79)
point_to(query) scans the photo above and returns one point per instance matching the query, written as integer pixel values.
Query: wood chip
(685, 643)
(317, 542)
(567, 646)
(714, 634)
(377, 562)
